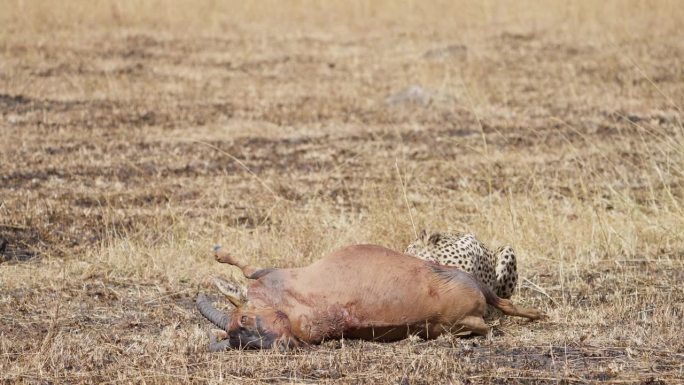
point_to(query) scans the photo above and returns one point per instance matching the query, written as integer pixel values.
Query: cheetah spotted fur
(496, 270)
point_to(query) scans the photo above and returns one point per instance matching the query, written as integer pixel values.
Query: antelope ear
(236, 294)
(218, 335)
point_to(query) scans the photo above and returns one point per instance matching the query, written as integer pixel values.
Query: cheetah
(496, 270)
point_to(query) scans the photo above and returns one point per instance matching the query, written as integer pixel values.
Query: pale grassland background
(135, 135)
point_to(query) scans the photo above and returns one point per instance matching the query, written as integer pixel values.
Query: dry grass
(134, 135)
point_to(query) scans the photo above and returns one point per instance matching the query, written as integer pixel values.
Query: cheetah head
(423, 244)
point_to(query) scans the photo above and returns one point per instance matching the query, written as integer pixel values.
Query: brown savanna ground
(135, 135)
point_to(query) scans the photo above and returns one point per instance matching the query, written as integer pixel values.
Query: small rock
(455, 51)
(412, 95)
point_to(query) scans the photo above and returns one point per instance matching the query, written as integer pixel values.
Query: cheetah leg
(506, 272)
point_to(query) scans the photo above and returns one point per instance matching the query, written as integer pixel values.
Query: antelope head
(246, 326)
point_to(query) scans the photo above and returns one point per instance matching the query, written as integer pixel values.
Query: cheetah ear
(423, 234)
(434, 238)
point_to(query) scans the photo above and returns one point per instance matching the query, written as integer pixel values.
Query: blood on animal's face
(260, 329)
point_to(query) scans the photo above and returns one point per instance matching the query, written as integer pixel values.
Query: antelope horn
(208, 310)
(236, 294)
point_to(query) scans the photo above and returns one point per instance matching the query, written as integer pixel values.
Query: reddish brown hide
(365, 291)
